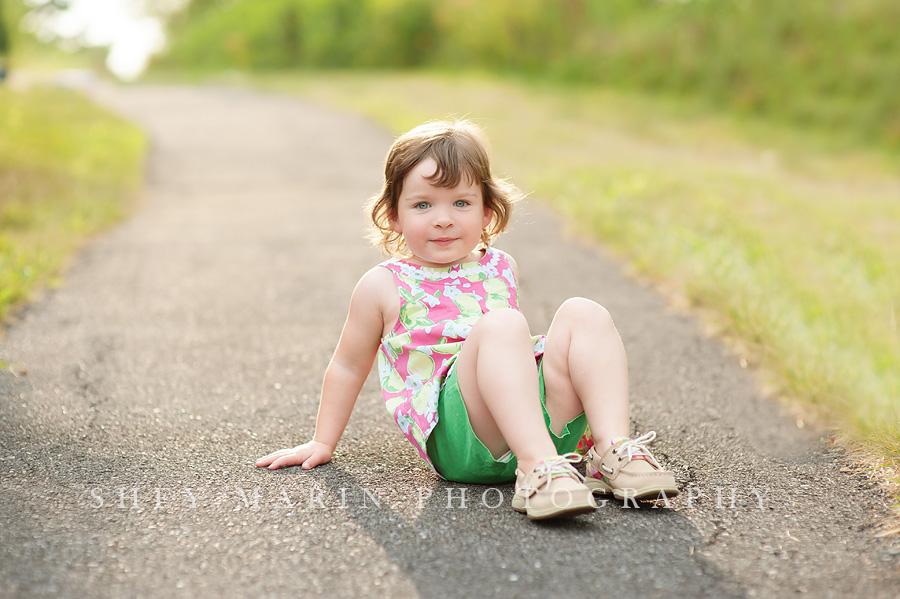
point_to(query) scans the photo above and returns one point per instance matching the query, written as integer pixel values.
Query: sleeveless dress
(439, 306)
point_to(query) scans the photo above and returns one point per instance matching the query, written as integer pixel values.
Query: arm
(346, 373)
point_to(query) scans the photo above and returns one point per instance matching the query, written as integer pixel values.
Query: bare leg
(499, 383)
(585, 370)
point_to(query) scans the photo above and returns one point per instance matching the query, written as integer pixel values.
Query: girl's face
(441, 225)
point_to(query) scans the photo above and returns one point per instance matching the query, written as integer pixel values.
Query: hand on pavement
(309, 455)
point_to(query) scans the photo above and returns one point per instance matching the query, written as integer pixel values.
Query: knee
(503, 321)
(582, 311)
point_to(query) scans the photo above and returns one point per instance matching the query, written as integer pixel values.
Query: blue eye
(461, 203)
(421, 206)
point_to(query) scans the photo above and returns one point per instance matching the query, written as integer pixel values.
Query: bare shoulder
(376, 294)
(377, 282)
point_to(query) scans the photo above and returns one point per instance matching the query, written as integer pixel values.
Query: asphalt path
(191, 339)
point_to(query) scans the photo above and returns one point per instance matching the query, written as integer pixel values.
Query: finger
(314, 460)
(266, 460)
(276, 464)
(275, 455)
(287, 460)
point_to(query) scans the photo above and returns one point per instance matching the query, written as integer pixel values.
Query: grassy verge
(67, 169)
(790, 250)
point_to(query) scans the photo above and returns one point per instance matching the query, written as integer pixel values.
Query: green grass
(790, 250)
(67, 169)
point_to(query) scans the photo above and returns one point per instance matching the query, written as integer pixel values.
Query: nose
(442, 219)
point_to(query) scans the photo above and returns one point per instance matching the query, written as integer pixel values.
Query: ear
(395, 224)
(488, 217)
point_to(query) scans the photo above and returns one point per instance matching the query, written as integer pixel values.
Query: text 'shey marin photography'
(321, 498)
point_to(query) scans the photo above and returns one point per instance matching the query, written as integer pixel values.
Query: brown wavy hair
(460, 149)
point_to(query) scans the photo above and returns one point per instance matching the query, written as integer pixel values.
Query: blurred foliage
(831, 64)
(23, 47)
(4, 31)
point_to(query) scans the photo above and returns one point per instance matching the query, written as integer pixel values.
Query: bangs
(456, 159)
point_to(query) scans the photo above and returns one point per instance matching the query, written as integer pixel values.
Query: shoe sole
(598, 487)
(554, 512)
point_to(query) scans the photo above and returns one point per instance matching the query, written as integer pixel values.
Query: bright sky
(131, 35)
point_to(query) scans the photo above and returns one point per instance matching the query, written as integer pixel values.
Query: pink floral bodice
(439, 306)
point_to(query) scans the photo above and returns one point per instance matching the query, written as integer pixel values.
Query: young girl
(481, 399)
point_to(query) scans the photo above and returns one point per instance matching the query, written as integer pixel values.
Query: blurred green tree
(827, 64)
(4, 33)
(4, 43)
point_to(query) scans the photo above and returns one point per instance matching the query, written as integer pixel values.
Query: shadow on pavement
(466, 541)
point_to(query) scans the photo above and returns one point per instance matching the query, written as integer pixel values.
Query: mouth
(443, 241)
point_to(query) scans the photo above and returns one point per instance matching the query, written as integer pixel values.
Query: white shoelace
(637, 447)
(560, 464)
